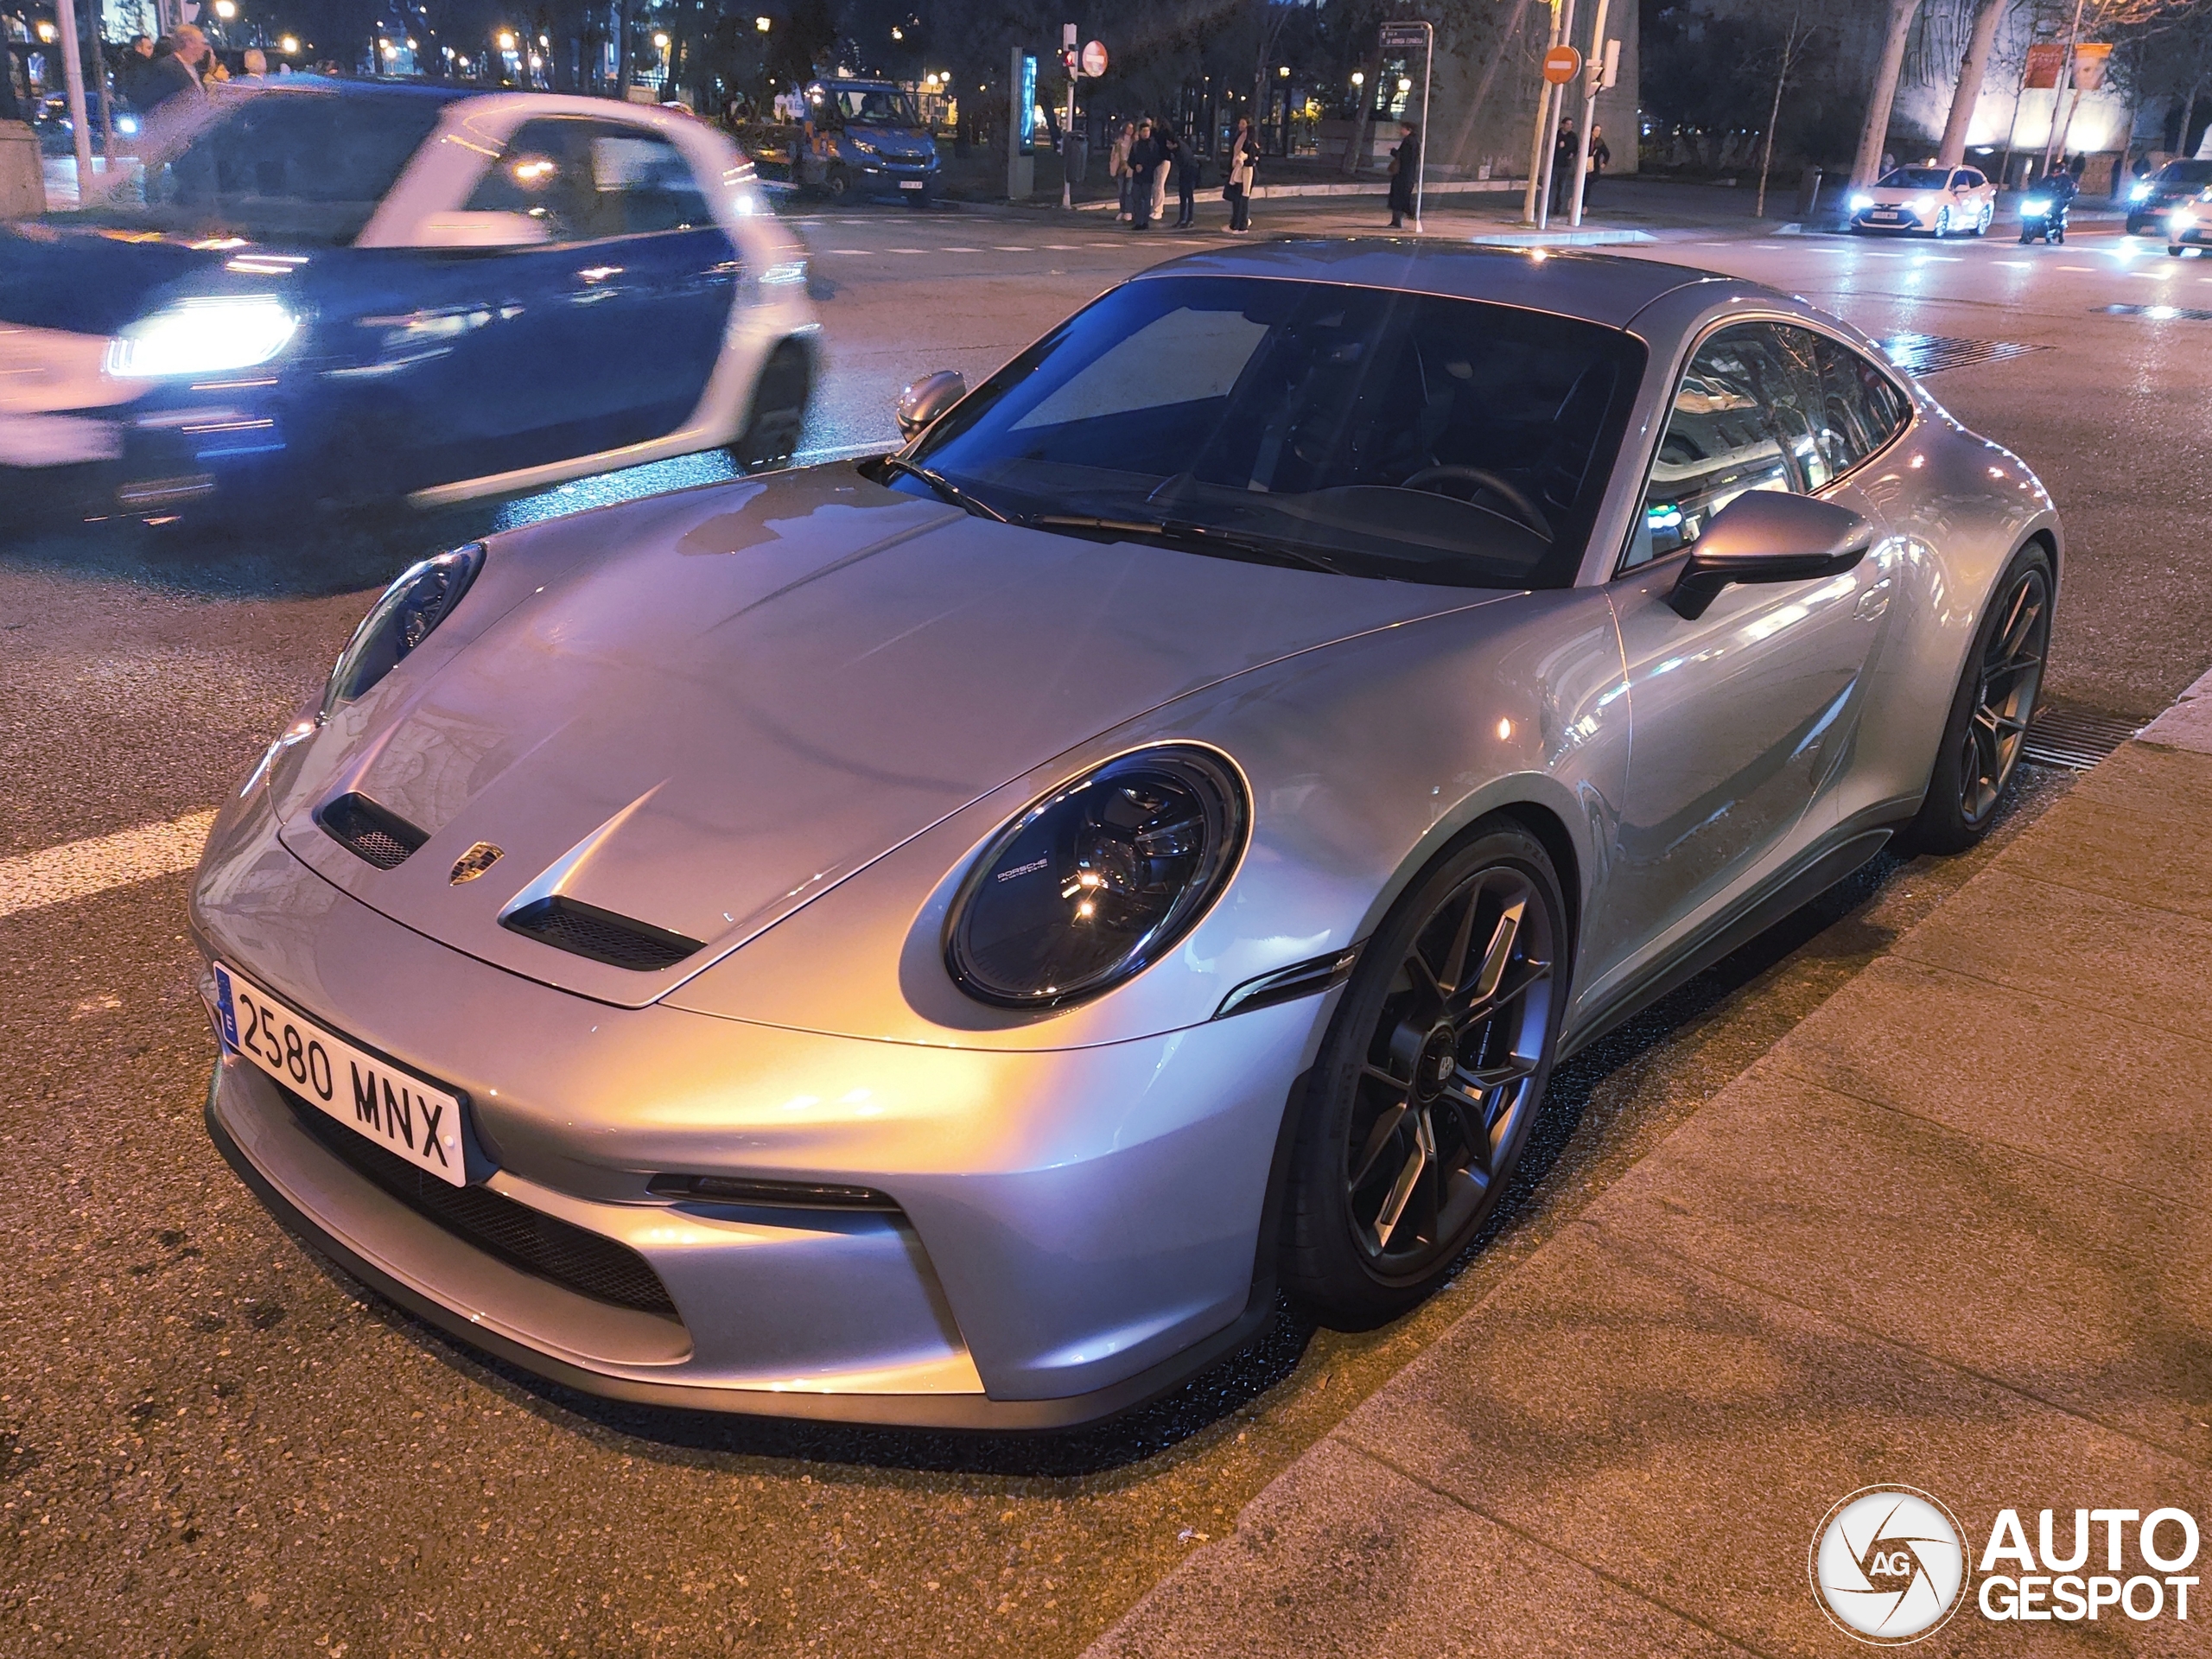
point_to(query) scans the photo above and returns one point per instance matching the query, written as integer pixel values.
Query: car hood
(700, 712)
(91, 281)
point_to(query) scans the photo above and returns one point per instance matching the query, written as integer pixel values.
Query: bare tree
(1793, 41)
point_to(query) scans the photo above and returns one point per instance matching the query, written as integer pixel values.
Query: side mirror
(1764, 535)
(483, 230)
(921, 403)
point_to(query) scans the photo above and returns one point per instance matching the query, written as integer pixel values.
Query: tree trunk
(1987, 15)
(1362, 124)
(1884, 95)
(1505, 43)
(1774, 114)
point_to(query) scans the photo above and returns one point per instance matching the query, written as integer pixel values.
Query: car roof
(330, 85)
(1595, 287)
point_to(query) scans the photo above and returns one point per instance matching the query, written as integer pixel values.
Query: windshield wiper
(1183, 530)
(946, 488)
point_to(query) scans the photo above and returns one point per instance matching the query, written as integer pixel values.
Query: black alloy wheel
(778, 421)
(1991, 711)
(1431, 1076)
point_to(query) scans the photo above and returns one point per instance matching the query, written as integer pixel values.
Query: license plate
(910, 184)
(372, 1097)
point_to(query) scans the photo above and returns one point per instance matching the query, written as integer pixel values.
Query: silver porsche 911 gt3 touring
(944, 940)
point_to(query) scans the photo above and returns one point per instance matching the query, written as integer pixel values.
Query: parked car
(2149, 201)
(331, 292)
(945, 940)
(869, 138)
(1938, 200)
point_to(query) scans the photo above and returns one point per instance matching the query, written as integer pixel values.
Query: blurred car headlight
(126, 125)
(1090, 885)
(2181, 216)
(2138, 193)
(1861, 202)
(212, 336)
(2036, 207)
(423, 595)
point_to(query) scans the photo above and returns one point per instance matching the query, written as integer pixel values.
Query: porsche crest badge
(474, 862)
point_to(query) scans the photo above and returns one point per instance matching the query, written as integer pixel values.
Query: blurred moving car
(1937, 200)
(942, 940)
(2149, 201)
(323, 293)
(2188, 224)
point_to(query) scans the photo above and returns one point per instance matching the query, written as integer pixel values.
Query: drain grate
(2159, 313)
(2074, 738)
(1927, 354)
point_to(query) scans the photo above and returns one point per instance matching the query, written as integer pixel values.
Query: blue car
(324, 293)
(870, 139)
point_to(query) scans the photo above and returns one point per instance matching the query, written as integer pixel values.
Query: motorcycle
(2043, 218)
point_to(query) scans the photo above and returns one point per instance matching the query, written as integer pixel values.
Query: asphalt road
(212, 1444)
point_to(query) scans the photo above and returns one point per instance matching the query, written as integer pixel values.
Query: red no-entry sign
(1561, 65)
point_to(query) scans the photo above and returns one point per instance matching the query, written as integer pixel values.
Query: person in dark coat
(1601, 157)
(130, 75)
(1405, 168)
(175, 73)
(1565, 157)
(1183, 173)
(1144, 157)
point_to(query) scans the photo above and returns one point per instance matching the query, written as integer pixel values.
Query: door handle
(1874, 601)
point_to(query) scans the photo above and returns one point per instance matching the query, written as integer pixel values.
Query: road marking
(77, 869)
(1009, 247)
(905, 250)
(959, 250)
(2016, 264)
(2090, 268)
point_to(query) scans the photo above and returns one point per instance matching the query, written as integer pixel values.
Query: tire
(919, 200)
(777, 417)
(1394, 1149)
(1990, 712)
(837, 184)
(2173, 249)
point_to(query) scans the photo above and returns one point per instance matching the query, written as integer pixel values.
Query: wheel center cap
(1440, 1059)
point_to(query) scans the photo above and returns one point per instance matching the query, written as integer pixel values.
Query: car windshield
(305, 166)
(2194, 174)
(1369, 431)
(875, 106)
(1915, 178)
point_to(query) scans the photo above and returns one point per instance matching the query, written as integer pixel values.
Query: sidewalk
(1950, 1232)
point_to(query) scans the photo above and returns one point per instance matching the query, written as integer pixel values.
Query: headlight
(1922, 204)
(2138, 193)
(2036, 207)
(1859, 203)
(2181, 216)
(1097, 880)
(401, 620)
(203, 336)
(126, 125)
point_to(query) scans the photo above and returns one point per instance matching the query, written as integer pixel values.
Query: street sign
(1093, 60)
(1396, 36)
(1561, 65)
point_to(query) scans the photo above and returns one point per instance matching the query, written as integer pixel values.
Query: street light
(1358, 79)
(1284, 72)
(289, 46)
(761, 23)
(897, 34)
(506, 39)
(1404, 84)
(45, 32)
(226, 9)
(660, 42)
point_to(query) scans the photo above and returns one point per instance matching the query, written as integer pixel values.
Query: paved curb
(1873, 1257)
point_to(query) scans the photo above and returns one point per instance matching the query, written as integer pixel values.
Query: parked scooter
(2042, 209)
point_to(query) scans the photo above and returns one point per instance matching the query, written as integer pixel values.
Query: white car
(1936, 199)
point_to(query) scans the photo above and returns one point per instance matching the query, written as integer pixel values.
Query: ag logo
(1888, 1565)
(474, 862)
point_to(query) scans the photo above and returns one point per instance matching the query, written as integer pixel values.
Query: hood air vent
(587, 931)
(373, 834)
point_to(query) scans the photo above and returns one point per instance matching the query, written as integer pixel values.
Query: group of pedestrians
(1147, 156)
(1566, 153)
(176, 66)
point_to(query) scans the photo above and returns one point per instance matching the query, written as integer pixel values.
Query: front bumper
(1079, 1230)
(1909, 221)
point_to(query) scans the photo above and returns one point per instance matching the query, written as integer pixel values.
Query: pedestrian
(176, 73)
(1405, 168)
(1169, 146)
(1600, 159)
(1565, 155)
(257, 62)
(1144, 161)
(131, 74)
(1187, 184)
(1118, 165)
(1243, 167)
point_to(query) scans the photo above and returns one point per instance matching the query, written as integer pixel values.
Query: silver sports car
(945, 940)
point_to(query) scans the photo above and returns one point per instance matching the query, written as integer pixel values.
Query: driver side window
(1740, 422)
